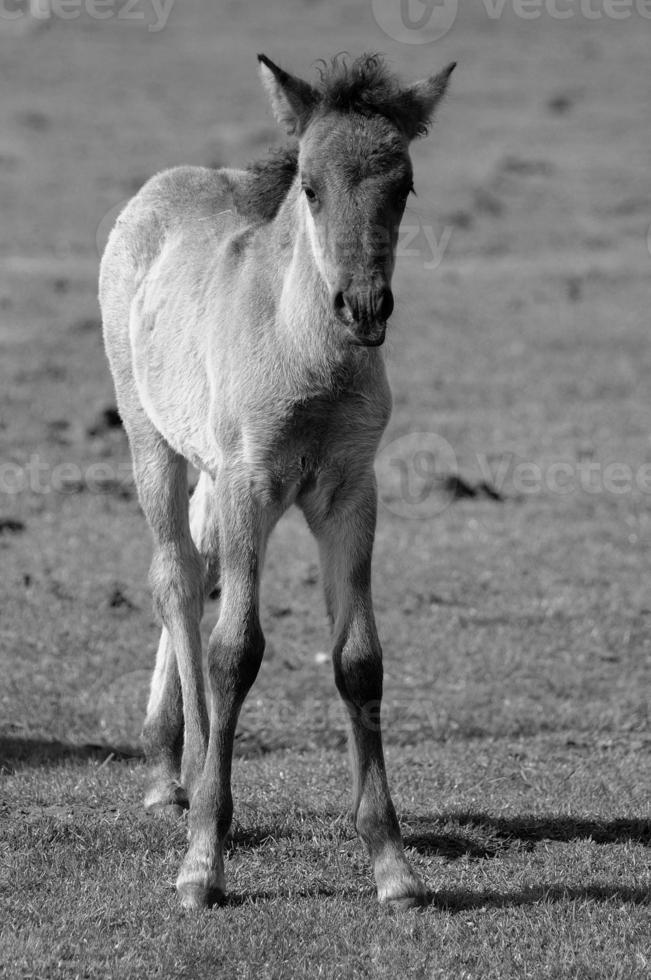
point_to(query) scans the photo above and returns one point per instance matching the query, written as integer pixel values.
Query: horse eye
(310, 194)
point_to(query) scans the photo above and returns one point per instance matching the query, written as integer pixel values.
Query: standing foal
(243, 314)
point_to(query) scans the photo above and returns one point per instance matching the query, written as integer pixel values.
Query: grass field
(517, 630)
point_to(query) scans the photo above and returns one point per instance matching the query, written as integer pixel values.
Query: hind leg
(163, 727)
(162, 732)
(177, 720)
(177, 717)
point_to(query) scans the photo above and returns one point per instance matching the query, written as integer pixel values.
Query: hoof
(400, 888)
(197, 897)
(406, 902)
(203, 894)
(167, 799)
(200, 881)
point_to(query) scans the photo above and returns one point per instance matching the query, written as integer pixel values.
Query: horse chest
(311, 448)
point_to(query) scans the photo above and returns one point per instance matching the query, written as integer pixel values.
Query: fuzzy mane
(364, 86)
(266, 184)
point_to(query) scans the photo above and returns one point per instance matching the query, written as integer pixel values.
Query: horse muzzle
(369, 335)
(365, 312)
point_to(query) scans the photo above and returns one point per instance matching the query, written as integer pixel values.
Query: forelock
(367, 87)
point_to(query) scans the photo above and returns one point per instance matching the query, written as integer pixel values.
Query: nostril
(385, 306)
(344, 306)
(338, 302)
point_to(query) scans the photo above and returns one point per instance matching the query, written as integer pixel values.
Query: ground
(513, 601)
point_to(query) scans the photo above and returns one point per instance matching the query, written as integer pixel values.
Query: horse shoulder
(168, 201)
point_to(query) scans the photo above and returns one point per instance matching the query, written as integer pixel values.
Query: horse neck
(305, 320)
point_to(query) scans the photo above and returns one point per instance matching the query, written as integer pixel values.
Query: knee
(176, 579)
(234, 657)
(357, 660)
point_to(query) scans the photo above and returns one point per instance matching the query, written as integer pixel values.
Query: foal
(243, 314)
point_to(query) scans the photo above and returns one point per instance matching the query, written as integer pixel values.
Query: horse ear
(292, 99)
(424, 97)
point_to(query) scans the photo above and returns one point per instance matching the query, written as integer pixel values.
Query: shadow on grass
(462, 900)
(465, 900)
(491, 835)
(434, 843)
(530, 829)
(480, 836)
(426, 839)
(44, 752)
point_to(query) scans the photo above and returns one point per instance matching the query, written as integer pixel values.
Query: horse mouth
(373, 337)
